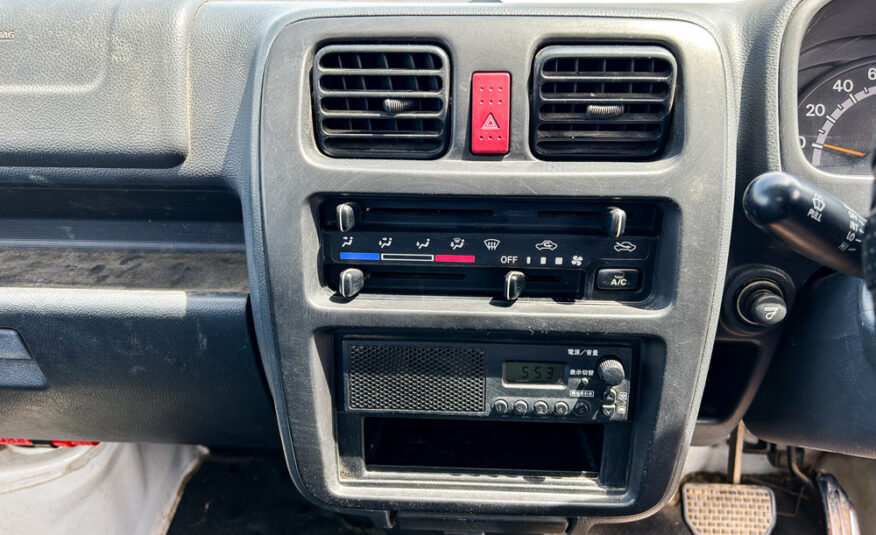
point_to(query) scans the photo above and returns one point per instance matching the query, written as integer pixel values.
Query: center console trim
(303, 314)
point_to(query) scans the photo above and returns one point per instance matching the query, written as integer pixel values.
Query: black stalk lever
(810, 220)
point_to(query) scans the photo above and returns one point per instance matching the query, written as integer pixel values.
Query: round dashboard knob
(761, 304)
(767, 309)
(611, 371)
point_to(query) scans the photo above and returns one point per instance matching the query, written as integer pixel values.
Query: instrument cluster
(836, 104)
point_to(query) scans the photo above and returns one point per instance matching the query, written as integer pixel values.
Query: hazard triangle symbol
(490, 123)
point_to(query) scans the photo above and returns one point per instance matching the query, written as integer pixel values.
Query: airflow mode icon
(492, 244)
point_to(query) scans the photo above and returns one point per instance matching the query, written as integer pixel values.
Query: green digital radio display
(534, 373)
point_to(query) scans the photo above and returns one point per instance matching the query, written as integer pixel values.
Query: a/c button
(617, 279)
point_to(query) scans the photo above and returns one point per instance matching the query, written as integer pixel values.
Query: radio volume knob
(611, 371)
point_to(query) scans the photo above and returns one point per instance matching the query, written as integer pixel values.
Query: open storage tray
(506, 446)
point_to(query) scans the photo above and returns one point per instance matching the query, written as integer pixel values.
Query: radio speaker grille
(416, 378)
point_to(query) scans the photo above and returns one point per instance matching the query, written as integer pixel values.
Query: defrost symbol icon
(492, 244)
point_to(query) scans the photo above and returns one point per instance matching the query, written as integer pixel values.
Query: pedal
(726, 509)
(839, 513)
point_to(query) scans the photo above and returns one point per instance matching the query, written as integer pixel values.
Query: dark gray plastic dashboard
(304, 314)
(175, 94)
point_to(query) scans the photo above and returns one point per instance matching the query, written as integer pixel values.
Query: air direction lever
(810, 220)
(615, 221)
(515, 283)
(346, 214)
(351, 282)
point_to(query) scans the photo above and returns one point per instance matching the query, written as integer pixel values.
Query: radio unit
(508, 248)
(568, 382)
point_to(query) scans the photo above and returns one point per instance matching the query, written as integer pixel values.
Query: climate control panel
(492, 250)
(559, 248)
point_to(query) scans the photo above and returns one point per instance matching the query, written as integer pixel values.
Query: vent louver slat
(381, 101)
(602, 102)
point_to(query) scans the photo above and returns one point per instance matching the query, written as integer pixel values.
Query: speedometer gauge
(837, 119)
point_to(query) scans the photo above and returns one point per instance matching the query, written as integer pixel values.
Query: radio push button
(618, 279)
(561, 408)
(520, 406)
(500, 406)
(581, 408)
(582, 383)
(540, 407)
(614, 402)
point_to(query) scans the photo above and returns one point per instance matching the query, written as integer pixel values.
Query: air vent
(601, 102)
(381, 101)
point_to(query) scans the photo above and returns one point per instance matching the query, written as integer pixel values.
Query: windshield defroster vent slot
(381, 101)
(601, 102)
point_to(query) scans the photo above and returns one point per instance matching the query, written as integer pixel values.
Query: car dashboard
(483, 259)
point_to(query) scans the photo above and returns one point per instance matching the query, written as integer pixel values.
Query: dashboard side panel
(137, 365)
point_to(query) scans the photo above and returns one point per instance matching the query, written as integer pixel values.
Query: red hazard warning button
(490, 112)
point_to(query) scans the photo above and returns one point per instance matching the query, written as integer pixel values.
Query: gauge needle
(847, 151)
